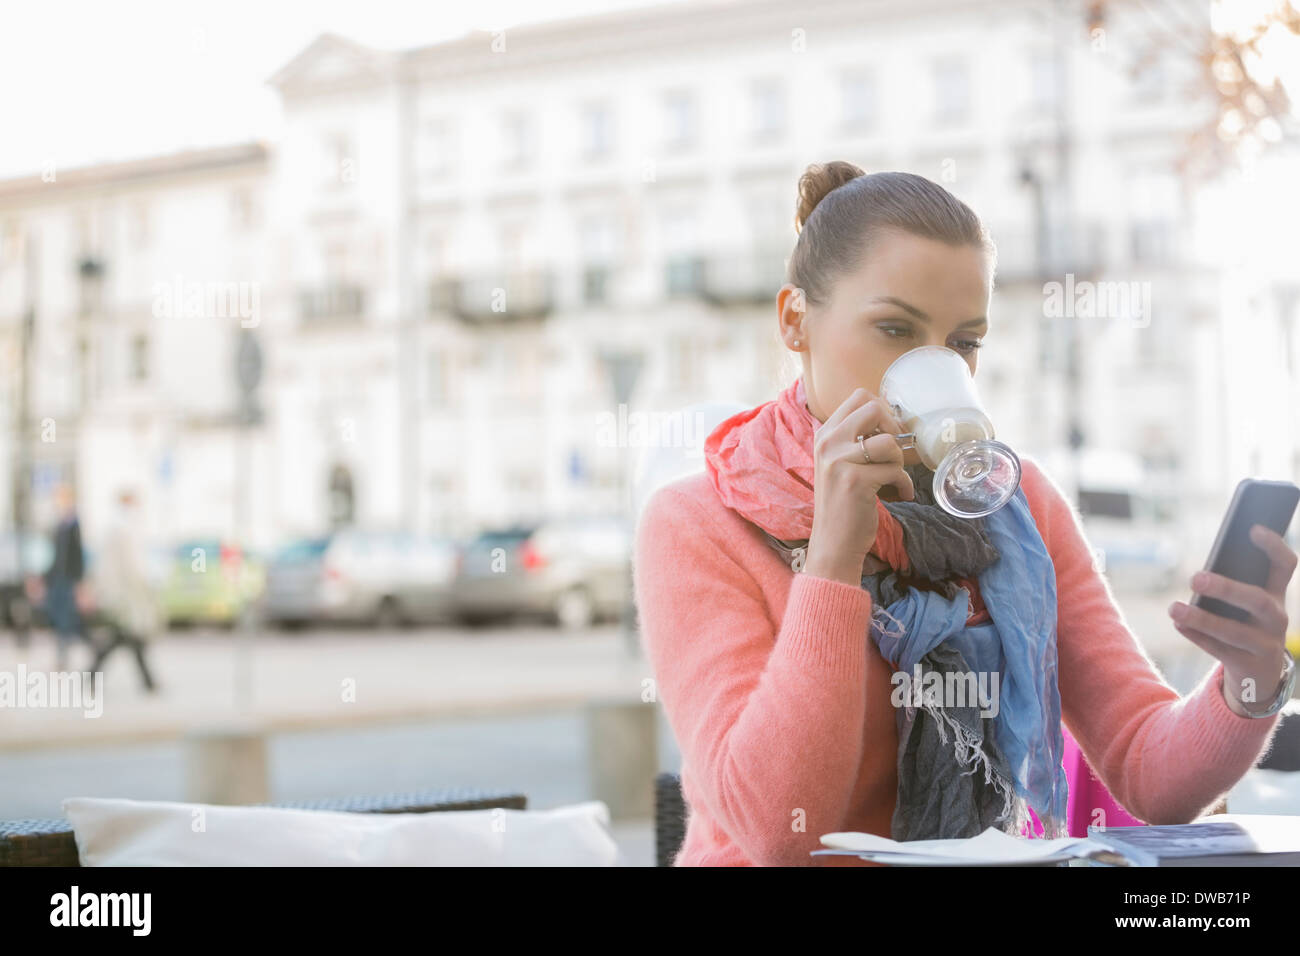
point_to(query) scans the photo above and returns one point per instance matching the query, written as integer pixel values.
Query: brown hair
(842, 209)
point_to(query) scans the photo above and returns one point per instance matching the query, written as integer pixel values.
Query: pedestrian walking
(125, 595)
(64, 592)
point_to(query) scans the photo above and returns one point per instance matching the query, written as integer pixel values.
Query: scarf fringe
(882, 611)
(1014, 817)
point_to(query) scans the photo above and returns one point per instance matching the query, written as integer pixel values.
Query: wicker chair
(51, 843)
(670, 818)
(1284, 751)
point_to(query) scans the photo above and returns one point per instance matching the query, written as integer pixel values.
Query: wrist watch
(1283, 693)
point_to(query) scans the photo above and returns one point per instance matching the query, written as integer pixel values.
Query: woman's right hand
(846, 487)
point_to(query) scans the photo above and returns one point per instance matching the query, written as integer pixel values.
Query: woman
(781, 590)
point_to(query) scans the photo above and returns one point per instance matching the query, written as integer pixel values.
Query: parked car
(211, 582)
(388, 578)
(1139, 549)
(573, 571)
(37, 553)
(1133, 528)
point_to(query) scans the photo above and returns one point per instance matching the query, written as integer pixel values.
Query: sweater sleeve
(1165, 758)
(768, 715)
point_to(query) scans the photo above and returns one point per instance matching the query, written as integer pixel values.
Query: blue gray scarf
(919, 621)
(1015, 738)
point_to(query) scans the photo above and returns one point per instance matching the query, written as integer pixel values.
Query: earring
(796, 343)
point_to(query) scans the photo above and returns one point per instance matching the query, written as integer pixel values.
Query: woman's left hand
(1253, 649)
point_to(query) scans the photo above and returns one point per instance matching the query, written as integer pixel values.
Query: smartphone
(1234, 555)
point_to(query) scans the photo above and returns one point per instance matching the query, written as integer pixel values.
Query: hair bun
(817, 180)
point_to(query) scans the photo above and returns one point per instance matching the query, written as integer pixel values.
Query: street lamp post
(248, 373)
(22, 456)
(623, 370)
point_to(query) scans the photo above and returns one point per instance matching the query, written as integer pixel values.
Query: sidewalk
(328, 679)
(347, 678)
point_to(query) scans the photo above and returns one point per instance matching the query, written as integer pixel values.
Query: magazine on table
(1224, 839)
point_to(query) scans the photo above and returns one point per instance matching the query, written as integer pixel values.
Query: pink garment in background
(1087, 795)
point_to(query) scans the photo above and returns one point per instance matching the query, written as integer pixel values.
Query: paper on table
(991, 846)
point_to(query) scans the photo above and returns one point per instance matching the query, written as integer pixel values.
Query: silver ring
(862, 443)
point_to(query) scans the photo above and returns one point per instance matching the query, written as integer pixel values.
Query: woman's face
(909, 292)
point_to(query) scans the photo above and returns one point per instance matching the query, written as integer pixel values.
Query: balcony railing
(743, 278)
(1025, 255)
(508, 297)
(332, 302)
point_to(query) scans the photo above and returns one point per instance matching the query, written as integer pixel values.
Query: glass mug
(932, 392)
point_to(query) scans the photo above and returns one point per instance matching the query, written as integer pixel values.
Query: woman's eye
(962, 345)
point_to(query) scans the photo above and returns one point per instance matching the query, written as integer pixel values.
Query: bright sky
(86, 82)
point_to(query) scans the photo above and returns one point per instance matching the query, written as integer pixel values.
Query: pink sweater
(783, 715)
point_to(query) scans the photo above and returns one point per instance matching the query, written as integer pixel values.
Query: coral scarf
(760, 462)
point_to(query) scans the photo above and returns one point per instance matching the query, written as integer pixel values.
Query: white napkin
(989, 848)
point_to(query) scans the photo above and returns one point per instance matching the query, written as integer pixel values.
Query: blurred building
(131, 376)
(454, 246)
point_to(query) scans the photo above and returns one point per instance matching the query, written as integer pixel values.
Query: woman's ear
(791, 314)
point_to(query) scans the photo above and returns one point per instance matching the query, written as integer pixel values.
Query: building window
(84, 228)
(438, 147)
(140, 232)
(438, 388)
(243, 209)
(595, 284)
(512, 246)
(685, 275)
(442, 282)
(767, 99)
(596, 242)
(597, 131)
(1151, 242)
(436, 254)
(516, 140)
(1149, 81)
(336, 261)
(679, 120)
(857, 101)
(338, 161)
(771, 227)
(684, 265)
(951, 91)
(138, 364)
(683, 362)
(1044, 82)
(11, 242)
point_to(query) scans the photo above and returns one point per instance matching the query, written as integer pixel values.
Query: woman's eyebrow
(913, 310)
